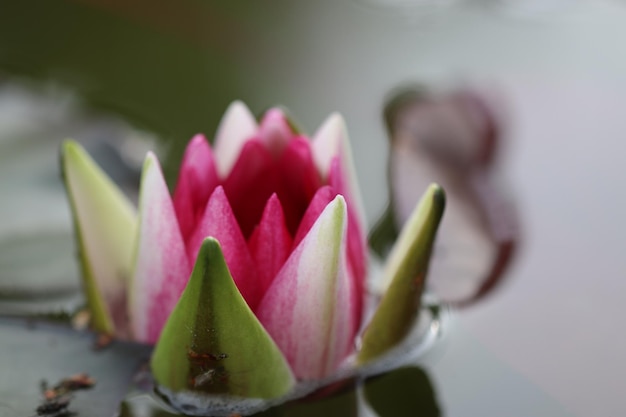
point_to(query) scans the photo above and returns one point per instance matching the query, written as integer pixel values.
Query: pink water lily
(259, 256)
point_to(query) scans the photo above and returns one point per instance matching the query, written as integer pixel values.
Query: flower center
(258, 174)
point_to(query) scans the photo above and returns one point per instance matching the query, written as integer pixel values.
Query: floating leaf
(33, 351)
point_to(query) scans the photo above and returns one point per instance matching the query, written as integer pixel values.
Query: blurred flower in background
(452, 138)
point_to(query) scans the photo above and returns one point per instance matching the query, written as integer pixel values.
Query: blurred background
(125, 76)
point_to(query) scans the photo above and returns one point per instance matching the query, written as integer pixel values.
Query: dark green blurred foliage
(406, 392)
(169, 67)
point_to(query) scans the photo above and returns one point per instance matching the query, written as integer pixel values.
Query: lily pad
(36, 351)
(38, 274)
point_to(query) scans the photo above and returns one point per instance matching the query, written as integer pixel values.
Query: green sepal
(213, 343)
(104, 222)
(406, 271)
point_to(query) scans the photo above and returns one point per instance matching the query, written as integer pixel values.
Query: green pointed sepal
(213, 345)
(405, 271)
(105, 222)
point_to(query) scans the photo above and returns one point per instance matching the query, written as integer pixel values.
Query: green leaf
(105, 222)
(405, 392)
(406, 270)
(213, 343)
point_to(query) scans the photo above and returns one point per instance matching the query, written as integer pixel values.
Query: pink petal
(161, 268)
(275, 131)
(270, 243)
(297, 179)
(219, 222)
(308, 308)
(237, 126)
(257, 175)
(196, 180)
(250, 184)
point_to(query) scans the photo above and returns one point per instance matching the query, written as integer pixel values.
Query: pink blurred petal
(161, 268)
(308, 308)
(218, 221)
(196, 180)
(236, 127)
(270, 243)
(275, 131)
(251, 182)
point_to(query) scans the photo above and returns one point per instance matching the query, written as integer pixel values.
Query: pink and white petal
(270, 243)
(196, 180)
(307, 309)
(331, 140)
(237, 126)
(275, 131)
(356, 243)
(106, 223)
(161, 266)
(219, 222)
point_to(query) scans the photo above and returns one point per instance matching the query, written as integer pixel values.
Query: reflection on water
(405, 392)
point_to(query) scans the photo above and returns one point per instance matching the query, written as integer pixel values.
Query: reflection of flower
(252, 276)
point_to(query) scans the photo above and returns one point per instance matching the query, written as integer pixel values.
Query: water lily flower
(250, 278)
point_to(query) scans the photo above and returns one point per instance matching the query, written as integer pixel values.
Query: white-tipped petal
(161, 267)
(237, 126)
(329, 142)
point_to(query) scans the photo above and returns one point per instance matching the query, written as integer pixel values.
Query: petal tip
(236, 127)
(438, 195)
(339, 202)
(70, 145)
(334, 125)
(238, 113)
(198, 139)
